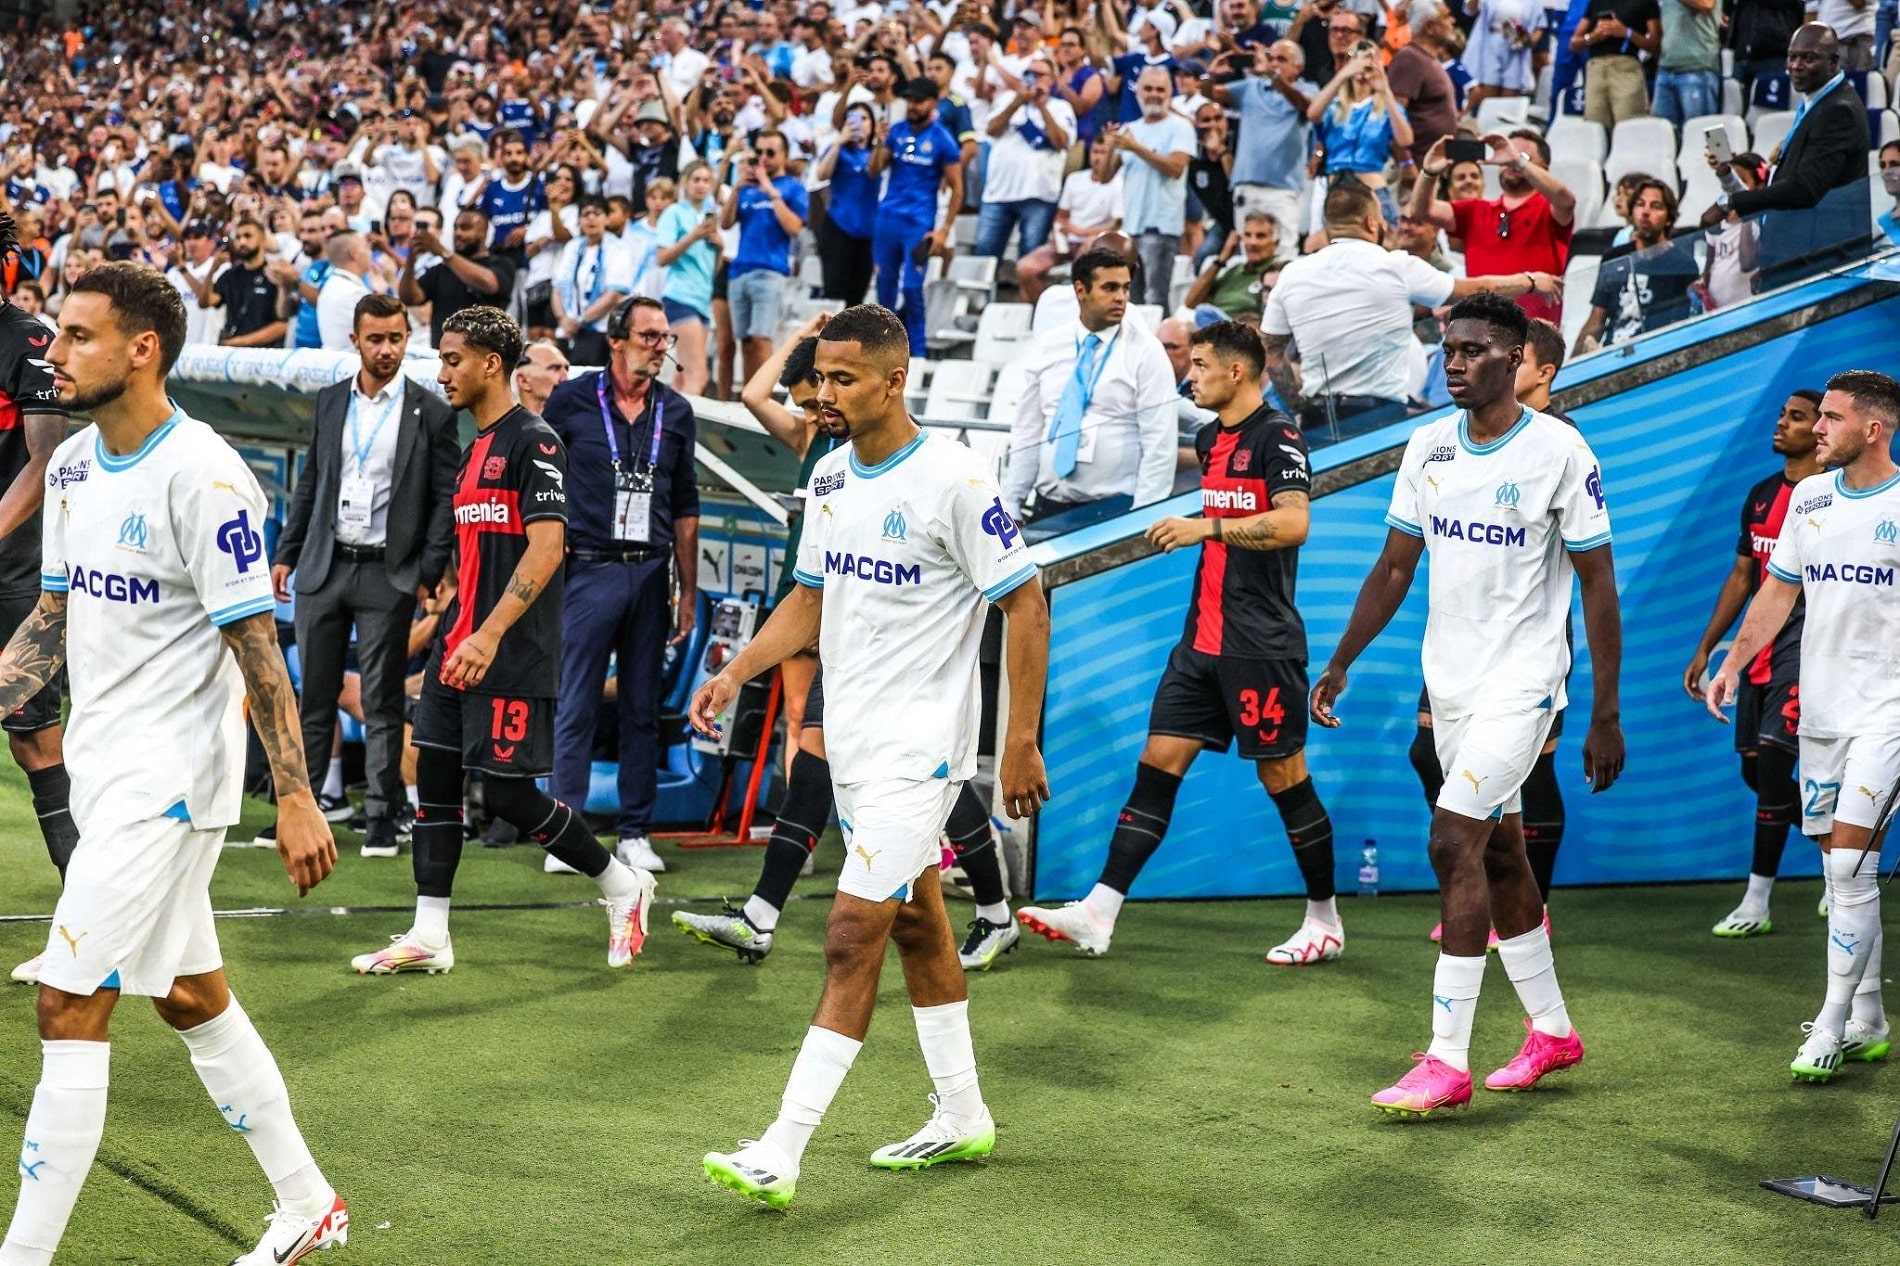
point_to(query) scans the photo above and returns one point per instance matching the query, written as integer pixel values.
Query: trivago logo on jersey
(111, 586)
(1848, 573)
(1476, 532)
(879, 571)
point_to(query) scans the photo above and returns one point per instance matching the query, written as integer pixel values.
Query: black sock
(1751, 770)
(975, 843)
(1138, 831)
(1543, 820)
(1777, 803)
(802, 815)
(548, 822)
(52, 801)
(1424, 756)
(437, 842)
(1310, 832)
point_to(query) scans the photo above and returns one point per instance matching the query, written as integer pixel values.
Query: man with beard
(1649, 287)
(461, 278)
(510, 200)
(1526, 228)
(245, 292)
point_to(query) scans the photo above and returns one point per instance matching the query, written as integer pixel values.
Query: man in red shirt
(1526, 230)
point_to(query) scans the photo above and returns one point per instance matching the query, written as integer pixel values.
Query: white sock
(432, 921)
(944, 1033)
(410, 791)
(1528, 963)
(762, 914)
(63, 1129)
(1756, 898)
(1326, 912)
(1104, 903)
(1853, 928)
(333, 785)
(617, 882)
(817, 1073)
(1868, 1007)
(242, 1076)
(1455, 985)
(998, 913)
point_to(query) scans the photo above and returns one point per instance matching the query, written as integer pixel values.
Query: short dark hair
(142, 300)
(1870, 390)
(1809, 394)
(1231, 340)
(620, 320)
(377, 308)
(877, 329)
(486, 329)
(1501, 314)
(801, 364)
(507, 135)
(1094, 260)
(1349, 202)
(1536, 139)
(592, 202)
(1546, 342)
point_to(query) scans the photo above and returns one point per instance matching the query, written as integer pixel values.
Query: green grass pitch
(1178, 1101)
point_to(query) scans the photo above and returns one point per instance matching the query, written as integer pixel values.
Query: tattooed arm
(34, 655)
(472, 659)
(303, 837)
(1284, 526)
(1281, 372)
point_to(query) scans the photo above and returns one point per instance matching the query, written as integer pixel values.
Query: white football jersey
(907, 553)
(155, 551)
(1500, 521)
(1843, 548)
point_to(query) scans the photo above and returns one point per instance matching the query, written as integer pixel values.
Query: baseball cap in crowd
(197, 228)
(347, 171)
(1029, 18)
(921, 88)
(652, 112)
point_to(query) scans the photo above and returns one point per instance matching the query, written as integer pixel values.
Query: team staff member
(633, 501)
(32, 424)
(1240, 668)
(368, 535)
(543, 367)
(1768, 702)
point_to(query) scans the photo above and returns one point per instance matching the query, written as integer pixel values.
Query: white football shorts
(1486, 758)
(892, 829)
(1846, 780)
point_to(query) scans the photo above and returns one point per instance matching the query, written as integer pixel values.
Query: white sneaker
(1075, 923)
(552, 865)
(636, 852)
(987, 942)
(1819, 1057)
(27, 973)
(757, 1169)
(1315, 942)
(944, 1138)
(291, 1237)
(627, 921)
(1744, 920)
(405, 953)
(1865, 1042)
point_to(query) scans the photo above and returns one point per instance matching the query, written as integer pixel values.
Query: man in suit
(1816, 198)
(368, 534)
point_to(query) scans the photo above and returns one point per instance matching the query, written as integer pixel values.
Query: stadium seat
(1011, 379)
(1693, 157)
(959, 392)
(1606, 216)
(1540, 95)
(1885, 129)
(1572, 137)
(1732, 100)
(1584, 178)
(1002, 332)
(1771, 94)
(974, 275)
(1181, 281)
(1878, 94)
(1149, 315)
(1770, 130)
(917, 385)
(1501, 114)
(1643, 145)
(1580, 278)
(1700, 188)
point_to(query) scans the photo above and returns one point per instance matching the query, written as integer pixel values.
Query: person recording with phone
(924, 161)
(1526, 228)
(769, 208)
(844, 238)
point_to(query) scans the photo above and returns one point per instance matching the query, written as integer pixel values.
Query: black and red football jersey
(1763, 511)
(513, 474)
(26, 386)
(1243, 599)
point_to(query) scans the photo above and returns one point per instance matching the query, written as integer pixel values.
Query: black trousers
(359, 595)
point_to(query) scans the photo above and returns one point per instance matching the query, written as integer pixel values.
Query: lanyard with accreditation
(633, 488)
(356, 496)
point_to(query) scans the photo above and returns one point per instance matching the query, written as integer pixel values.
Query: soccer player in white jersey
(1509, 502)
(906, 542)
(1840, 550)
(153, 566)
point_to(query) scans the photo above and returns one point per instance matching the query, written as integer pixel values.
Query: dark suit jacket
(1817, 199)
(421, 505)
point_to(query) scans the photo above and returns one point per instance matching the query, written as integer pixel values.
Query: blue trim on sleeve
(1780, 573)
(1016, 580)
(805, 578)
(1410, 529)
(230, 615)
(1578, 547)
(54, 584)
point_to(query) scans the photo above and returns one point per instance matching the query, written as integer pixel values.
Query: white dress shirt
(1349, 310)
(1129, 433)
(336, 309)
(370, 429)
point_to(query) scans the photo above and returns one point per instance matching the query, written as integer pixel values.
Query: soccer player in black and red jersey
(1768, 709)
(1239, 671)
(489, 690)
(32, 425)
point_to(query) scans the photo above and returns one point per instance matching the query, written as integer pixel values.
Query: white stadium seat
(1572, 137)
(1770, 129)
(1732, 100)
(1584, 178)
(1580, 278)
(1002, 332)
(1642, 145)
(959, 392)
(1501, 114)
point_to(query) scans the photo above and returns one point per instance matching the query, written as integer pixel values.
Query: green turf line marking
(298, 912)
